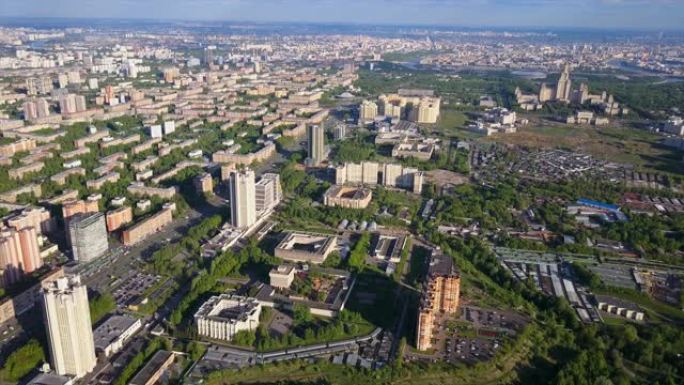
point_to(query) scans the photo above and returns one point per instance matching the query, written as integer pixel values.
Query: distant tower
(564, 85)
(242, 198)
(67, 322)
(208, 57)
(316, 144)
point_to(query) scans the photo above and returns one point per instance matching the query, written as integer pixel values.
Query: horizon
(623, 15)
(15, 21)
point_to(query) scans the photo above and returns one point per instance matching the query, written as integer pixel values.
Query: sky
(602, 14)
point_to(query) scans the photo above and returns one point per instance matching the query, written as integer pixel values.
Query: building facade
(242, 198)
(88, 236)
(441, 294)
(316, 144)
(222, 316)
(68, 326)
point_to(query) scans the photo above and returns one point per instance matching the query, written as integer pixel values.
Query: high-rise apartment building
(67, 322)
(370, 172)
(340, 131)
(36, 217)
(88, 236)
(268, 192)
(72, 103)
(19, 254)
(38, 86)
(367, 111)
(316, 144)
(36, 109)
(242, 198)
(392, 174)
(441, 294)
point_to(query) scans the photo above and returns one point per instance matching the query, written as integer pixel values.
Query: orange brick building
(441, 295)
(147, 227)
(119, 217)
(73, 207)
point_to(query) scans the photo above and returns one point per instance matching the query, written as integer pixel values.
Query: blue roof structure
(597, 204)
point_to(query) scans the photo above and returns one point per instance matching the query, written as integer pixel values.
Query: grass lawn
(623, 145)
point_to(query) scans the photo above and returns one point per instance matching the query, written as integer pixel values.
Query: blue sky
(624, 14)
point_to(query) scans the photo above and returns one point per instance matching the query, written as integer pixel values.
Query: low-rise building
(305, 247)
(113, 333)
(281, 276)
(348, 197)
(118, 218)
(148, 226)
(222, 316)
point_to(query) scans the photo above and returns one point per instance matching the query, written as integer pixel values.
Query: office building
(316, 144)
(68, 326)
(268, 192)
(222, 316)
(305, 247)
(441, 294)
(242, 198)
(88, 236)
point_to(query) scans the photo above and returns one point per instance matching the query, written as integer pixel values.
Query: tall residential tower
(316, 144)
(242, 198)
(68, 326)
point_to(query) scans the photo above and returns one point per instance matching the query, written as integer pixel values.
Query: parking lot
(474, 335)
(133, 287)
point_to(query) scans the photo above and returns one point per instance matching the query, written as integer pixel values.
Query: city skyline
(581, 14)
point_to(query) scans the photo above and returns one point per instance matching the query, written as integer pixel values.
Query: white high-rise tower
(69, 330)
(242, 198)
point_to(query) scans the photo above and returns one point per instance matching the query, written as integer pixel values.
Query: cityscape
(289, 200)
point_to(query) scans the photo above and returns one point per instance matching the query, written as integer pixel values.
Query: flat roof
(227, 307)
(151, 367)
(111, 329)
